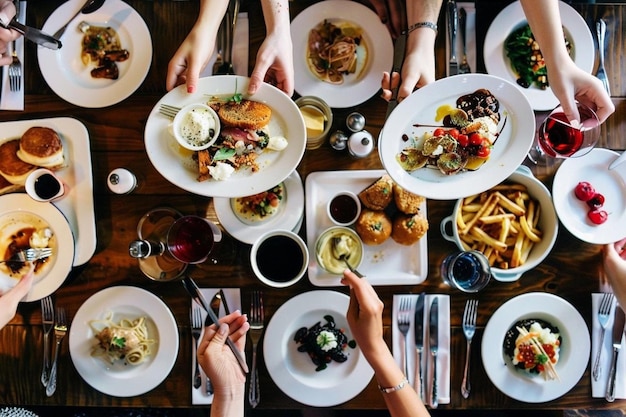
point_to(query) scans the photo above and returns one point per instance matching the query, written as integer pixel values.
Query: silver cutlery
(196, 331)
(453, 64)
(32, 34)
(404, 323)
(60, 329)
(464, 68)
(168, 110)
(90, 6)
(47, 319)
(603, 318)
(256, 329)
(618, 333)
(433, 338)
(469, 328)
(29, 255)
(15, 67)
(601, 73)
(418, 320)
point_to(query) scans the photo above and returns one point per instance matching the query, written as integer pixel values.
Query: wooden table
(116, 135)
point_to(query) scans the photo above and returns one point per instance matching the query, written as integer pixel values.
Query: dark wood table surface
(116, 138)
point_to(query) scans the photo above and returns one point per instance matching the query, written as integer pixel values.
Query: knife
(453, 65)
(398, 60)
(433, 336)
(419, 343)
(618, 333)
(32, 34)
(196, 295)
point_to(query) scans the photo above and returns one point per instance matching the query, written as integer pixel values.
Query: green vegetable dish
(526, 58)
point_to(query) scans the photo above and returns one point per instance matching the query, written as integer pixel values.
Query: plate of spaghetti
(341, 49)
(123, 341)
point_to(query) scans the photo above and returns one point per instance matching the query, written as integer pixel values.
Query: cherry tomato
(483, 151)
(596, 201)
(475, 139)
(597, 216)
(584, 191)
(463, 140)
(439, 132)
(454, 133)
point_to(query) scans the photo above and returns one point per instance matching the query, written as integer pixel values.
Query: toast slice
(247, 114)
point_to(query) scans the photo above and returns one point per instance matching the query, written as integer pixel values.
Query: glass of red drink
(558, 138)
(190, 239)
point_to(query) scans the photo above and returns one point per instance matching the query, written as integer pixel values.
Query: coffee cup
(279, 258)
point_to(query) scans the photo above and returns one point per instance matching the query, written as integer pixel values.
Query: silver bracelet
(394, 389)
(418, 25)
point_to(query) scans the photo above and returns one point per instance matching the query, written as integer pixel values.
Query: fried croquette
(373, 226)
(378, 195)
(409, 228)
(406, 201)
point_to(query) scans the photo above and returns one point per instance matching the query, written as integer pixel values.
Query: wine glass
(557, 138)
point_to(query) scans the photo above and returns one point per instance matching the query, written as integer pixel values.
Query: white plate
(387, 264)
(356, 88)
(574, 353)
(288, 217)
(293, 371)
(165, 155)
(507, 154)
(511, 18)
(121, 380)
(64, 70)
(19, 210)
(77, 205)
(572, 212)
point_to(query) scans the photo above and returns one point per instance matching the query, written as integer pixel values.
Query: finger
(257, 76)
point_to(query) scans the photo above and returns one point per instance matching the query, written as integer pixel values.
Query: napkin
(470, 37)
(598, 388)
(233, 298)
(241, 44)
(443, 355)
(14, 100)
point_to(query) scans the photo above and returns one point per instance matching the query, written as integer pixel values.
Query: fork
(603, 318)
(47, 318)
(404, 322)
(196, 331)
(29, 255)
(168, 110)
(60, 329)
(256, 329)
(469, 328)
(15, 68)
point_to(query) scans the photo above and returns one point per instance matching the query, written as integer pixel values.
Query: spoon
(90, 6)
(342, 257)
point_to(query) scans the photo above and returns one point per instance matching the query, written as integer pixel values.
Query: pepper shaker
(360, 144)
(121, 181)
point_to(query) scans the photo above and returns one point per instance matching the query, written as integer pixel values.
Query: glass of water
(467, 271)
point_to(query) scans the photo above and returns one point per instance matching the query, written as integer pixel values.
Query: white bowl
(548, 223)
(279, 257)
(335, 208)
(324, 243)
(181, 118)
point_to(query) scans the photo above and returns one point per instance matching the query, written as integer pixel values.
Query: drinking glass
(557, 138)
(190, 239)
(468, 271)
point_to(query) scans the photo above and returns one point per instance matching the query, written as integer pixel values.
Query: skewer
(535, 343)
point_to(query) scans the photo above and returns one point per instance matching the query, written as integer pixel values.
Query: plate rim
(248, 233)
(156, 126)
(56, 276)
(274, 361)
(464, 183)
(494, 330)
(168, 351)
(118, 90)
(341, 9)
(568, 173)
(493, 47)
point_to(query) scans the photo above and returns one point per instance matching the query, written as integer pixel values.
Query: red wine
(558, 138)
(46, 186)
(279, 258)
(190, 239)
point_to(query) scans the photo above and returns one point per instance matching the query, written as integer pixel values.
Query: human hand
(11, 298)
(7, 12)
(365, 315)
(191, 58)
(570, 83)
(216, 358)
(274, 64)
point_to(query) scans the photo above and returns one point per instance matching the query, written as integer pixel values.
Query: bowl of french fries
(514, 224)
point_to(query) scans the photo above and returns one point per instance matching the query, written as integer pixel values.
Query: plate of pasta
(123, 341)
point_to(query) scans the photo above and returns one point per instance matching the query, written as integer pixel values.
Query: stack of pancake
(38, 147)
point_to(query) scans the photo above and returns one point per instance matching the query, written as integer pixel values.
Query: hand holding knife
(32, 34)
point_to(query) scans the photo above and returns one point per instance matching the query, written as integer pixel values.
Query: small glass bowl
(325, 255)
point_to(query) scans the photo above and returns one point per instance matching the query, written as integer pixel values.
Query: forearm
(228, 402)
(422, 38)
(276, 15)
(211, 14)
(544, 19)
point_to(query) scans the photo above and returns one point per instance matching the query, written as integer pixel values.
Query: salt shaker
(355, 122)
(360, 144)
(338, 140)
(121, 181)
